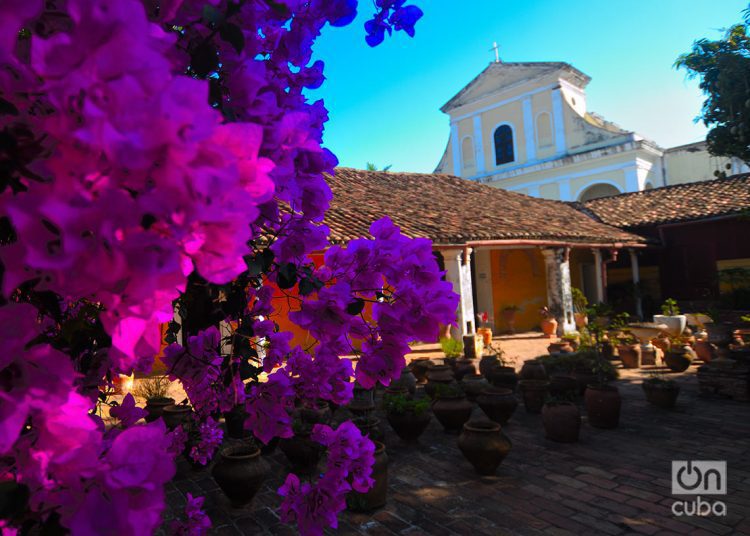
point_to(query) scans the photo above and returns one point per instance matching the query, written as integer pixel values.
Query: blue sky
(384, 102)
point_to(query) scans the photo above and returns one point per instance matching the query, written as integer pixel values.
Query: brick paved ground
(611, 482)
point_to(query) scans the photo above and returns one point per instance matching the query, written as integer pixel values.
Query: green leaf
(232, 34)
(204, 60)
(355, 307)
(7, 108)
(212, 15)
(287, 276)
(14, 499)
(259, 263)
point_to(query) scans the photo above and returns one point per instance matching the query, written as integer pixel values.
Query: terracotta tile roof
(673, 204)
(450, 210)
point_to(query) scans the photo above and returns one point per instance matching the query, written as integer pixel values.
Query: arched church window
(504, 145)
(595, 191)
(544, 129)
(467, 153)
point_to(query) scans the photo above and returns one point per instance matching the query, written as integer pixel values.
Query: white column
(478, 144)
(528, 130)
(598, 265)
(483, 265)
(636, 282)
(559, 293)
(458, 272)
(632, 180)
(456, 149)
(558, 121)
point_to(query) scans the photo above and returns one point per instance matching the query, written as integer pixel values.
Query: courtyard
(615, 481)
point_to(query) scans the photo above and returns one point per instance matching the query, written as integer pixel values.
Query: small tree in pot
(602, 401)
(672, 318)
(154, 390)
(660, 391)
(408, 417)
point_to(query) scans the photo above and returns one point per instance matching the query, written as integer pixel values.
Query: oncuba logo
(699, 477)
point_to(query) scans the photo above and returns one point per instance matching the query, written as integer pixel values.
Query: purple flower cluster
(392, 15)
(196, 522)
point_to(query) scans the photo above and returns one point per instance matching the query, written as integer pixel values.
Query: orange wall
(518, 278)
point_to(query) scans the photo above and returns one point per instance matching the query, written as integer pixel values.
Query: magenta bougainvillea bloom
(161, 155)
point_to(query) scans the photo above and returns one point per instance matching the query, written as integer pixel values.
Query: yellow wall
(688, 165)
(518, 278)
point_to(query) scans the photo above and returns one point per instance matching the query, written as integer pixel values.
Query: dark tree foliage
(723, 67)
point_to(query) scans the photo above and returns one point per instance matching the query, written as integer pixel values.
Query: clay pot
(419, 368)
(630, 355)
(318, 413)
(464, 367)
(406, 380)
(584, 379)
(705, 351)
(370, 426)
(235, 422)
(486, 334)
(302, 452)
(473, 384)
(408, 426)
(662, 394)
(503, 377)
(534, 393)
(438, 374)
(396, 390)
(486, 363)
(533, 370)
(662, 343)
(155, 407)
(560, 347)
(678, 359)
(452, 411)
(376, 496)
(549, 327)
(603, 406)
(562, 386)
(581, 320)
(176, 414)
(675, 324)
(498, 404)
(562, 422)
(240, 472)
(484, 445)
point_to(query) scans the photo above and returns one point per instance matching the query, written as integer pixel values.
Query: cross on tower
(497, 51)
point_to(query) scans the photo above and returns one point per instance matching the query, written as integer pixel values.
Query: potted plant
(573, 340)
(408, 417)
(561, 419)
(498, 370)
(602, 400)
(452, 350)
(376, 496)
(672, 318)
(548, 323)
(451, 407)
(485, 322)
(629, 351)
(154, 390)
(580, 304)
(661, 392)
(509, 316)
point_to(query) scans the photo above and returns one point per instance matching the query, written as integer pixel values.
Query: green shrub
(402, 404)
(451, 347)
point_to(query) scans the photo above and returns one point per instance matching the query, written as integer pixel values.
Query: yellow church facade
(525, 127)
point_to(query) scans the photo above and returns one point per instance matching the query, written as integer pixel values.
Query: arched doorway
(596, 191)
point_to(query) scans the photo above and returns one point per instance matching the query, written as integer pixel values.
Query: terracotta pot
(705, 350)
(464, 367)
(562, 386)
(376, 496)
(662, 343)
(607, 350)
(484, 445)
(549, 327)
(562, 422)
(235, 422)
(438, 374)
(486, 334)
(603, 406)
(678, 359)
(319, 413)
(155, 407)
(533, 370)
(370, 426)
(240, 472)
(486, 363)
(452, 412)
(408, 426)
(503, 377)
(581, 320)
(302, 452)
(419, 368)
(630, 355)
(407, 380)
(498, 404)
(661, 394)
(534, 393)
(560, 347)
(176, 414)
(473, 384)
